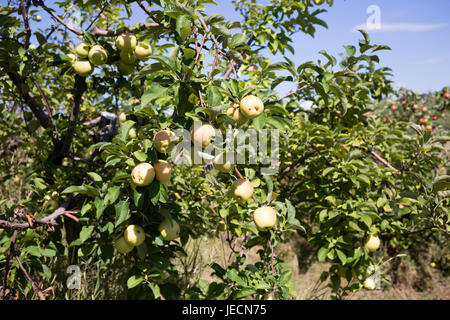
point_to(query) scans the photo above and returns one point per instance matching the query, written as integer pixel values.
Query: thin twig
(33, 284)
(44, 97)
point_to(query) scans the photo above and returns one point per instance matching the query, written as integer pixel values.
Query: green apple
(143, 51)
(126, 42)
(265, 218)
(203, 135)
(122, 246)
(143, 174)
(251, 106)
(169, 229)
(370, 284)
(82, 67)
(134, 235)
(242, 190)
(38, 18)
(127, 57)
(163, 171)
(237, 115)
(50, 205)
(122, 117)
(72, 57)
(222, 164)
(82, 50)
(98, 55)
(221, 226)
(126, 69)
(32, 47)
(132, 133)
(162, 139)
(319, 2)
(373, 243)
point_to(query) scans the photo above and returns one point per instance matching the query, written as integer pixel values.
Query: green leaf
(322, 254)
(86, 232)
(152, 93)
(141, 156)
(122, 212)
(441, 183)
(134, 281)
(183, 26)
(214, 97)
(245, 292)
(213, 18)
(341, 255)
(96, 177)
(237, 40)
(112, 195)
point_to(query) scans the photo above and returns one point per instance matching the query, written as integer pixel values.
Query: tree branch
(48, 220)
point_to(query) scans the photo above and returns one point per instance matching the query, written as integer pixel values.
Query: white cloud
(403, 27)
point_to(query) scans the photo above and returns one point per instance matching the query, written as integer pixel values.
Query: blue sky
(416, 30)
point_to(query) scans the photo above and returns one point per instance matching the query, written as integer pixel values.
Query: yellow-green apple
(169, 229)
(134, 235)
(38, 18)
(82, 50)
(242, 190)
(82, 67)
(98, 55)
(162, 139)
(127, 57)
(265, 218)
(221, 226)
(163, 171)
(126, 69)
(72, 57)
(126, 42)
(132, 133)
(251, 106)
(143, 174)
(122, 246)
(122, 117)
(222, 164)
(237, 115)
(143, 51)
(203, 134)
(370, 283)
(373, 243)
(319, 2)
(32, 47)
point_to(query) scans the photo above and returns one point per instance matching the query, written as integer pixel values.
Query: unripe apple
(143, 174)
(424, 109)
(370, 284)
(242, 190)
(265, 218)
(319, 2)
(143, 51)
(38, 18)
(169, 229)
(72, 57)
(393, 107)
(83, 68)
(126, 69)
(162, 139)
(122, 246)
(251, 106)
(16, 180)
(237, 115)
(221, 226)
(132, 133)
(98, 55)
(203, 134)
(122, 117)
(433, 265)
(82, 50)
(126, 42)
(32, 47)
(373, 243)
(134, 235)
(127, 57)
(222, 164)
(163, 171)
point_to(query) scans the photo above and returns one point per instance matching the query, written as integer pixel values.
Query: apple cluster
(87, 56)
